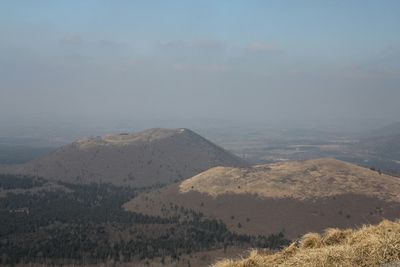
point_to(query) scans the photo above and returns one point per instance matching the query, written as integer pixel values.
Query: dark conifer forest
(63, 223)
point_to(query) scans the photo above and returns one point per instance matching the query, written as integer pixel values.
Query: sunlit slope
(297, 179)
(296, 197)
(375, 245)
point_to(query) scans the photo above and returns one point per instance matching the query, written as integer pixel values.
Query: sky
(259, 61)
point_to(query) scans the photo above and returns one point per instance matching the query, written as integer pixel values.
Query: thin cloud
(211, 68)
(209, 45)
(171, 44)
(109, 43)
(73, 39)
(204, 45)
(258, 47)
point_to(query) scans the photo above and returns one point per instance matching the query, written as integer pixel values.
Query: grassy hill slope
(374, 245)
(294, 197)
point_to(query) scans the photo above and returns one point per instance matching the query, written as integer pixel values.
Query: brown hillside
(296, 179)
(296, 197)
(155, 156)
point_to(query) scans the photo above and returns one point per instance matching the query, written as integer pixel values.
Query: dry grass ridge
(374, 245)
(309, 179)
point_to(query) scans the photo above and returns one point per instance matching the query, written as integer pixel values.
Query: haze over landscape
(199, 133)
(258, 61)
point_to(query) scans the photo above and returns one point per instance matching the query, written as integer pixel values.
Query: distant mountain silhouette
(389, 130)
(155, 156)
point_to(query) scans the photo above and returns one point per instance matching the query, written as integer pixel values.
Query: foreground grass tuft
(373, 245)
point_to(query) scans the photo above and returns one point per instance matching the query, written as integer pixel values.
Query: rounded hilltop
(145, 136)
(297, 196)
(308, 179)
(146, 158)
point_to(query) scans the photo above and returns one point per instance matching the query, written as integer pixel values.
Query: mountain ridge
(150, 157)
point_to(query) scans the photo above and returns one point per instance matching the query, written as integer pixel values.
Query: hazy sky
(240, 60)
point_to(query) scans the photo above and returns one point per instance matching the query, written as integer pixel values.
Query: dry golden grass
(296, 179)
(368, 246)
